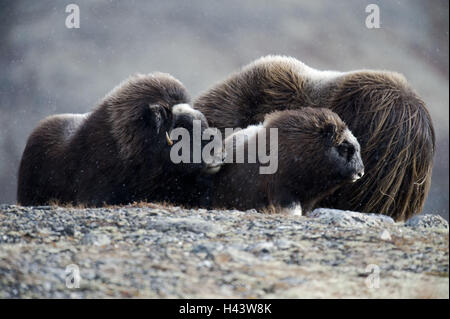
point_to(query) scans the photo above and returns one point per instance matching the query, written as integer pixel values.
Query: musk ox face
(183, 116)
(316, 146)
(344, 156)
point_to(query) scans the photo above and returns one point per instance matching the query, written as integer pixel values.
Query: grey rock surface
(427, 221)
(152, 251)
(350, 219)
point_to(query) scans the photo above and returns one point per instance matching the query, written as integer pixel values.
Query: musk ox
(116, 154)
(389, 119)
(316, 154)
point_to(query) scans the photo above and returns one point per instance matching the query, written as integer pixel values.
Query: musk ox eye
(157, 116)
(346, 150)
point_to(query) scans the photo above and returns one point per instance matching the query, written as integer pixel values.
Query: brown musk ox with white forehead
(117, 154)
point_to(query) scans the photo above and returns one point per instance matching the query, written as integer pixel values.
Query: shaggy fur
(316, 154)
(116, 154)
(389, 119)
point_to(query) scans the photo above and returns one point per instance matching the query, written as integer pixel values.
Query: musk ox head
(316, 147)
(184, 125)
(143, 111)
(344, 153)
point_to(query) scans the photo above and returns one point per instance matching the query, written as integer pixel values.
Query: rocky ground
(155, 251)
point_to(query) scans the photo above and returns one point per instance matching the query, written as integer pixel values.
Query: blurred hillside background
(47, 68)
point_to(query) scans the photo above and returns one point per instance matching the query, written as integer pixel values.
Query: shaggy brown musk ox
(315, 154)
(117, 154)
(389, 119)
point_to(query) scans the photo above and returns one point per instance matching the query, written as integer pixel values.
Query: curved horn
(168, 139)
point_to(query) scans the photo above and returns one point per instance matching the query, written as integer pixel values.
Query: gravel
(155, 251)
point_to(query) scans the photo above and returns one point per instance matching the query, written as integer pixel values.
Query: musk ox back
(389, 119)
(395, 130)
(118, 153)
